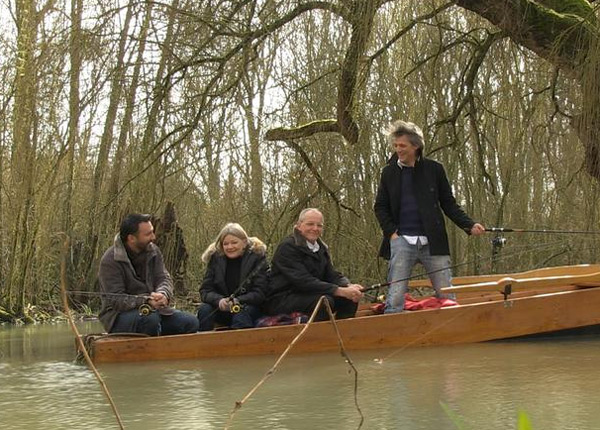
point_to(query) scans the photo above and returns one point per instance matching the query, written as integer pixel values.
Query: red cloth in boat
(412, 304)
(282, 319)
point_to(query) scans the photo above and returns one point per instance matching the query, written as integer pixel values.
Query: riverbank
(37, 315)
(50, 313)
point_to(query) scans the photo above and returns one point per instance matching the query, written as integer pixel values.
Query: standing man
(132, 273)
(302, 272)
(412, 194)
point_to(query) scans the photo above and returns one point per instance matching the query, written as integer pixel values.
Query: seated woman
(235, 282)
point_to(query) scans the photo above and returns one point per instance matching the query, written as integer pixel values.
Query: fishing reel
(498, 242)
(145, 310)
(234, 306)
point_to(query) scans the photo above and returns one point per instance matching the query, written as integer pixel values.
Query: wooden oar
(590, 279)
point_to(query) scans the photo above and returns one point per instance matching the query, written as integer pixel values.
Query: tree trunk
(148, 158)
(74, 109)
(111, 215)
(23, 156)
(106, 142)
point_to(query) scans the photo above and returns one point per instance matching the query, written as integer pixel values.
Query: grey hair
(412, 131)
(305, 211)
(233, 229)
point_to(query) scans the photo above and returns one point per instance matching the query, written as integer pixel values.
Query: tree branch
(560, 38)
(318, 176)
(306, 130)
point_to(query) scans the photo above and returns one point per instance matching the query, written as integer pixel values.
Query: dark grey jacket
(296, 268)
(117, 276)
(434, 195)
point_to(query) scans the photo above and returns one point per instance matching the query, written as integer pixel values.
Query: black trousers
(245, 318)
(289, 302)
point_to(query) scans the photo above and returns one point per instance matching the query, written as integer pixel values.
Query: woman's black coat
(253, 279)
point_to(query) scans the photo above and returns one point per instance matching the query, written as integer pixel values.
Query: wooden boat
(491, 307)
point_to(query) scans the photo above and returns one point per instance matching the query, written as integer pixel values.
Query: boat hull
(477, 322)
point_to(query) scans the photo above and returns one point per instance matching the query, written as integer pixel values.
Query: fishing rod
(144, 309)
(524, 230)
(499, 241)
(395, 281)
(100, 293)
(234, 305)
(419, 275)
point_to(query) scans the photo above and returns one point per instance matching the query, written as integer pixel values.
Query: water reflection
(33, 343)
(485, 384)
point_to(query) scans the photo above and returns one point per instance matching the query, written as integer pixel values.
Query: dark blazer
(117, 276)
(434, 195)
(297, 269)
(251, 290)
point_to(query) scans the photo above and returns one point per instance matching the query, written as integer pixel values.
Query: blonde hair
(233, 229)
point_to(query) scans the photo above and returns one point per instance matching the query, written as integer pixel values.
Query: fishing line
(144, 309)
(422, 336)
(528, 248)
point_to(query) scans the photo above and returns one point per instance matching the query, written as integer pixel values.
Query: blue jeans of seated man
(155, 324)
(245, 318)
(404, 257)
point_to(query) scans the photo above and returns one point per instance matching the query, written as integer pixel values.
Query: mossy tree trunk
(565, 33)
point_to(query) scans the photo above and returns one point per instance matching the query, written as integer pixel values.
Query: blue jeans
(403, 258)
(245, 318)
(155, 324)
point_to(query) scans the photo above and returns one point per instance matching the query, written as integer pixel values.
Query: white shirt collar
(314, 247)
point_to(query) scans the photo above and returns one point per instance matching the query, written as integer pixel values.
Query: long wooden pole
(82, 348)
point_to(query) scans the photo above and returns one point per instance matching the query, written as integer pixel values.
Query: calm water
(485, 385)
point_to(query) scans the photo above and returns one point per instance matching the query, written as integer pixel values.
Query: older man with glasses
(302, 272)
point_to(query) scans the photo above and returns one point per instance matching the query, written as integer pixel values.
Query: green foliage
(454, 417)
(523, 422)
